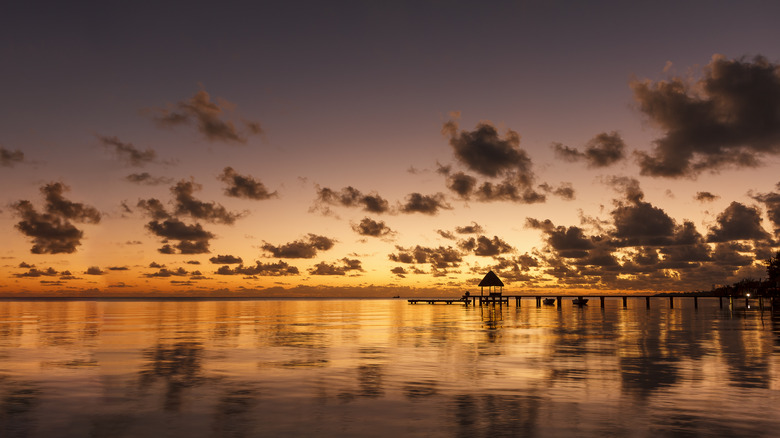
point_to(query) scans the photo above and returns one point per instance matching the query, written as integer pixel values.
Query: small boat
(396, 296)
(580, 301)
(549, 301)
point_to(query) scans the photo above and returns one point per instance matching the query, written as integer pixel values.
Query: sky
(367, 149)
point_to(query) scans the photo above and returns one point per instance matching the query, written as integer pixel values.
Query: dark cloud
(246, 187)
(729, 117)
(462, 184)
(9, 158)
(564, 191)
(602, 150)
(127, 152)
(300, 249)
(370, 227)
(439, 258)
(34, 273)
(192, 262)
(705, 197)
(568, 242)
(426, 204)
(193, 239)
(492, 247)
(52, 232)
(399, 271)
(26, 265)
(94, 270)
(512, 188)
(278, 269)
(738, 222)
(349, 197)
(446, 234)
(485, 152)
(226, 260)
(187, 204)
(208, 116)
(342, 267)
(772, 203)
(147, 179)
(156, 265)
(118, 268)
(165, 273)
(474, 228)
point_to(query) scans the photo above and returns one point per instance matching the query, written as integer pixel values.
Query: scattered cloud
(53, 232)
(426, 204)
(342, 267)
(484, 246)
(187, 204)
(94, 270)
(300, 249)
(207, 116)
(603, 150)
(278, 269)
(128, 153)
(372, 228)
(226, 260)
(9, 158)
(738, 222)
(439, 258)
(730, 117)
(705, 197)
(34, 273)
(147, 179)
(349, 197)
(245, 187)
(484, 151)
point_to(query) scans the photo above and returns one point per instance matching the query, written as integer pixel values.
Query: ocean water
(385, 368)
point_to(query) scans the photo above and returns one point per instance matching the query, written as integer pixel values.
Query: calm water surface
(384, 368)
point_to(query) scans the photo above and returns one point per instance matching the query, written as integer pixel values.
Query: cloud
(118, 268)
(10, 158)
(245, 187)
(738, 222)
(186, 204)
(278, 269)
(34, 273)
(568, 242)
(94, 270)
(485, 152)
(127, 152)
(729, 117)
(426, 204)
(484, 246)
(166, 273)
(370, 227)
(300, 249)
(399, 271)
(602, 150)
(146, 179)
(226, 260)
(512, 188)
(772, 203)
(474, 228)
(193, 239)
(343, 268)
(52, 232)
(208, 118)
(705, 197)
(446, 234)
(439, 258)
(349, 197)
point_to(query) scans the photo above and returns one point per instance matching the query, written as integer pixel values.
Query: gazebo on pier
(493, 283)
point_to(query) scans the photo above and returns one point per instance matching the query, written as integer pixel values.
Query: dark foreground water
(384, 368)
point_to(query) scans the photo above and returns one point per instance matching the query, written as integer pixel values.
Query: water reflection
(384, 368)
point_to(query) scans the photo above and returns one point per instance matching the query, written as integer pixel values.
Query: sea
(387, 368)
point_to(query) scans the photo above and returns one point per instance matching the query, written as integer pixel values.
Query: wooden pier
(501, 299)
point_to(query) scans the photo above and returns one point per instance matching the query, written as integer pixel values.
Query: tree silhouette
(773, 268)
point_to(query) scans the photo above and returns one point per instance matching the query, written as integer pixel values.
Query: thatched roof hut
(492, 282)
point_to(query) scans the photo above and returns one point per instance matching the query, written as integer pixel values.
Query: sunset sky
(367, 148)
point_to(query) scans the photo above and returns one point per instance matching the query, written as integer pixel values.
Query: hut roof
(491, 279)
